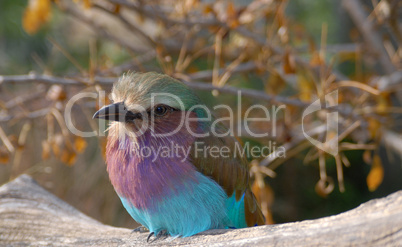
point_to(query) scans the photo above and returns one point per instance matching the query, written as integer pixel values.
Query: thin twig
(207, 74)
(6, 141)
(273, 99)
(30, 115)
(354, 84)
(339, 173)
(25, 98)
(217, 58)
(388, 82)
(130, 26)
(158, 14)
(68, 56)
(101, 30)
(15, 169)
(370, 35)
(356, 146)
(109, 81)
(296, 141)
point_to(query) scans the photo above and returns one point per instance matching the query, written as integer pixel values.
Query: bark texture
(30, 215)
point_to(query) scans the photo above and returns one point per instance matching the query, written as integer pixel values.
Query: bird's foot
(161, 234)
(140, 229)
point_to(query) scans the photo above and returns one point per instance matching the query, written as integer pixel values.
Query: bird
(180, 193)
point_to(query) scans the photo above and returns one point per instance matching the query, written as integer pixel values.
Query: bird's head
(150, 101)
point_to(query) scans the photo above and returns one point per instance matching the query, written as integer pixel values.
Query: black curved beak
(116, 112)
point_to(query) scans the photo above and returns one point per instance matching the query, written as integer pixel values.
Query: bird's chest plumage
(142, 175)
(165, 193)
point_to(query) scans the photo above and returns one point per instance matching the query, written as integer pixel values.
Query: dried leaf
(45, 150)
(382, 103)
(383, 11)
(311, 44)
(87, 4)
(208, 9)
(191, 4)
(347, 56)
(159, 50)
(55, 149)
(324, 187)
(56, 143)
(316, 59)
(4, 155)
(36, 14)
(306, 88)
(275, 84)
(103, 143)
(280, 17)
(367, 156)
(373, 127)
(117, 8)
(283, 34)
(56, 93)
(331, 134)
(68, 157)
(80, 144)
(265, 197)
(289, 64)
(232, 18)
(376, 174)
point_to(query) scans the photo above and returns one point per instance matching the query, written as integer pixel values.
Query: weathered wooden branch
(29, 215)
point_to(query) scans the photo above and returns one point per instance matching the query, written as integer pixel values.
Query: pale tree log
(29, 215)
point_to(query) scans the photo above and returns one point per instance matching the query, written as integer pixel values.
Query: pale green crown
(150, 89)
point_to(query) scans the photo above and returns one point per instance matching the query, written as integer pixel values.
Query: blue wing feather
(235, 212)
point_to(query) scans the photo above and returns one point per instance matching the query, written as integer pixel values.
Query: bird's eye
(160, 110)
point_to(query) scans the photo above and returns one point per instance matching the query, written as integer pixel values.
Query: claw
(162, 233)
(149, 236)
(140, 229)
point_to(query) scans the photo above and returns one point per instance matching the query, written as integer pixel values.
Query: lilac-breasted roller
(184, 189)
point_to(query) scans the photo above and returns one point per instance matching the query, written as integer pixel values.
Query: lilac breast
(142, 173)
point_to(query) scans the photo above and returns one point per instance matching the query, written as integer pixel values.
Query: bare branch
(29, 115)
(389, 82)
(54, 80)
(156, 13)
(24, 98)
(195, 85)
(296, 141)
(207, 74)
(100, 30)
(273, 99)
(370, 35)
(130, 26)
